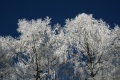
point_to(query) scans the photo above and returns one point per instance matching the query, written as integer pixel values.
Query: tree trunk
(48, 68)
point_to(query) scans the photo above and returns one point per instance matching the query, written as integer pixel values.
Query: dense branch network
(83, 49)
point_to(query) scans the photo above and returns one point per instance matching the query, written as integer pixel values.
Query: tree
(116, 53)
(92, 37)
(7, 70)
(40, 42)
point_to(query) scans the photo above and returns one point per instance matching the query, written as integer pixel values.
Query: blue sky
(58, 10)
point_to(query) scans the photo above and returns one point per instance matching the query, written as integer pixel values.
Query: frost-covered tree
(93, 41)
(40, 43)
(7, 54)
(115, 51)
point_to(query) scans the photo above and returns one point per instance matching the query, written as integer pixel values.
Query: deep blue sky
(58, 10)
